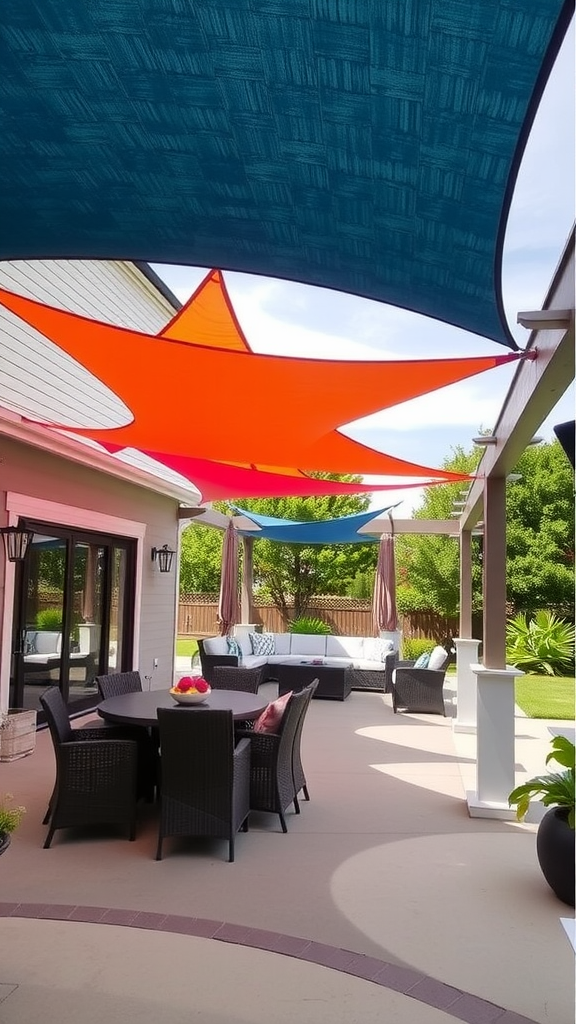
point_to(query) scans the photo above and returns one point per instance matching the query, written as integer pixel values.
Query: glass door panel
(117, 653)
(85, 625)
(38, 648)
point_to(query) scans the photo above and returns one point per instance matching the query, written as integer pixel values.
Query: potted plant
(555, 837)
(10, 818)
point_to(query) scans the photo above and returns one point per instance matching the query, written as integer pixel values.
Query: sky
(300, 320)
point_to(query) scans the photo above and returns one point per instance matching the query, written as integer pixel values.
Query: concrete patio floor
(384, 902)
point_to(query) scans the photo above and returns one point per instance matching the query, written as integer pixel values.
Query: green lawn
(546, 696)
(186, 648)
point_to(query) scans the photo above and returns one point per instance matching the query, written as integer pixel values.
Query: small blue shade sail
(320, 531)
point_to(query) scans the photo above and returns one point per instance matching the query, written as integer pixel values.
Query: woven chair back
(118, 683)
(57, 716)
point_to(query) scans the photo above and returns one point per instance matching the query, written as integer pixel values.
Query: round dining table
(140, 708)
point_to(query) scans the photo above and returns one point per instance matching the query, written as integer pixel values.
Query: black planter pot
(4, 841)
(555, 850)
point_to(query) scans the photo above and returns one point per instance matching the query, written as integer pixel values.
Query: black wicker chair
(271, 771)
(418, 690)
(231, 677)
(95, 776)
(131, 682)
(205, 778)
(297, 769)
(117, 683)
(210, 661)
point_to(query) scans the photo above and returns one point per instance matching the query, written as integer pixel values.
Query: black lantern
(17, 539)
(164, 556)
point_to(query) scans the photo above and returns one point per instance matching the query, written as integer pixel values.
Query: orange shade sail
(231, 405)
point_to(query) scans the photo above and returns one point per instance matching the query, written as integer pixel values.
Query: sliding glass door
(73, 615)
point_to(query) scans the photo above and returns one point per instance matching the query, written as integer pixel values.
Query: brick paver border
(409, 982)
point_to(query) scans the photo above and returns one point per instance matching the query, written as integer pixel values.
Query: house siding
(39, 382)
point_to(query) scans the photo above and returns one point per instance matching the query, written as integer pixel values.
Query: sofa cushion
(438, 658)
(216, 645)
(48, 641)
(367, 665)
(345, 646)
(282, 643)
(376, 648)
(234, 647)
(254, 660)
(422, 661)
(245, 644)
(262, 643)
(308, 645)
(270, 719)
(286, 659)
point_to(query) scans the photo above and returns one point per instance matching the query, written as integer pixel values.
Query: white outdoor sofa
(370, 659)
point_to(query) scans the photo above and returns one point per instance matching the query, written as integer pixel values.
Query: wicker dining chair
(271, 771)
(114, 685)
(297, 768)
(117, 683)
(95, 776)
(205, 787)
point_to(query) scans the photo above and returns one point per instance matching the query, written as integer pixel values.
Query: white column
(495, 778)
(466, 657)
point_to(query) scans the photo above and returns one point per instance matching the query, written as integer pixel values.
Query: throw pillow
(234, 648)
(262, 643)
(422, 661)
(271, 717)
(438, 658)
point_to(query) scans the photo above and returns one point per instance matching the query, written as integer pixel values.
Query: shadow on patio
(422, 914)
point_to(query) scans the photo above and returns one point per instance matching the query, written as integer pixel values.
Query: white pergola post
(466, 685)
(495, 680)
(495, 777)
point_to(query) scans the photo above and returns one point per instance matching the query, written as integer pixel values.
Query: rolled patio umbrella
(228, 604)
(384, 614)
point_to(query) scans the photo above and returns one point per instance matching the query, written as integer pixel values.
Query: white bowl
(190, 698)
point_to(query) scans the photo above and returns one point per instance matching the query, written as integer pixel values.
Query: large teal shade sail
(369, 146)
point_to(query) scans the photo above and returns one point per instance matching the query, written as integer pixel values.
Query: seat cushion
(254, 660)
(271, 717)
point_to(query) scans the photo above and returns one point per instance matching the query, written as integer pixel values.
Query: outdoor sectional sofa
(370, 660)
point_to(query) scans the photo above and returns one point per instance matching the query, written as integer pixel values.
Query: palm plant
(309, 624)
(544, 645)
(555, 789)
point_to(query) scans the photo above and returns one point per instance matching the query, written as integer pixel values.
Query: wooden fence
(347, 616)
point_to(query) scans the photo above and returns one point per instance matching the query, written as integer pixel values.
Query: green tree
(539, 533)
(200, 560)
(427, 566)
(295, 571)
